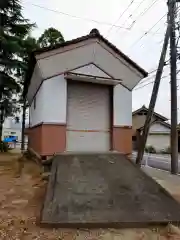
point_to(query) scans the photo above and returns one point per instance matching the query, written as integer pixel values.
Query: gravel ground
(21, 197)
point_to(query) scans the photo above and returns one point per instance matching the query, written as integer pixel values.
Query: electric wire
(132, 12)
(142, 14)
(120, 17)
(75, 16)
(147, 32)
(150, 83)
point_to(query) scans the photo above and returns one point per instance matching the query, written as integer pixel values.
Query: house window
(35, 103)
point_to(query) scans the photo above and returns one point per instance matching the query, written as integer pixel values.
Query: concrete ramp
(104, 190)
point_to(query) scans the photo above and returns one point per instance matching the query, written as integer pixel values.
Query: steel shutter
(88, 117)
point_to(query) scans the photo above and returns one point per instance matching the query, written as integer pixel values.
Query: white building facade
(80, 97)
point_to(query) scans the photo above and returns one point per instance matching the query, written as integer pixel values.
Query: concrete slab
(104, 190)
(167, 180)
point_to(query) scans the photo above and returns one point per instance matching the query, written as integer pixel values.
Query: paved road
(157, 161)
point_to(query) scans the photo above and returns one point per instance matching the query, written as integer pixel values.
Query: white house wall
(122, 106)
(122, 60)
(159, 136)
(91, 69)
(55, 100)
(66, 61)
(51, 101)
(115, 67)
(159, 142)
(159, 128)
(64, 49)
(55, 62)
(36, 114)
(35, 83)
(94, 52)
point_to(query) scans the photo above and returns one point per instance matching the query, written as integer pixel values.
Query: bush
(4, 147)
(166, 150)
(150, 149)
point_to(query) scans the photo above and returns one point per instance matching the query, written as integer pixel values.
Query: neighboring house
(159, 135)
(12, 128)
(159, 132)
(80, 97)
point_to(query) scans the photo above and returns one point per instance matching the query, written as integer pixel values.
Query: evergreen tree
(13, 29)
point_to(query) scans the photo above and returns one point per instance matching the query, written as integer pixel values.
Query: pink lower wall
(47, 139)
(122, 139)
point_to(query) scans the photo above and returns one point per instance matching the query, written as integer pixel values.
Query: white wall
(35, 83)
(101, 55)
(36, 114)
(65, 59)
(122, 106)
(159, 128)
(116, 66)
(55, 99)
(51, 101)
(159, 142)
(91, 69)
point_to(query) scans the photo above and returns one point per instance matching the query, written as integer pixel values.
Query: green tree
(13, 29)
(50, 37)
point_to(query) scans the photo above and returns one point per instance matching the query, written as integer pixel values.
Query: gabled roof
(160, 122)
(143, 108)
(93, 34)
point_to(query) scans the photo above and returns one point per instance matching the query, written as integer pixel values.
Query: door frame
(111, 110)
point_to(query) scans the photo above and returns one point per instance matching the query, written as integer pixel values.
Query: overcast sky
(145, 52)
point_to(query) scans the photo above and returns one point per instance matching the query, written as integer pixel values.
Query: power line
(133, 12)
(150, 83)
(158, 30)
(77, 17)
(153, 99)
(142, 14)
(120, 16)
(147, 31)
(153, 80)
(159, 43)
(146, 80)
(167, 62)
(149, 77)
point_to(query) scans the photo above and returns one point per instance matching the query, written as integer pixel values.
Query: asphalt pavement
(156, 161)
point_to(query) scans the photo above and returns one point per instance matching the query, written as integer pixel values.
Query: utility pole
(173, 59)
(152, 103)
